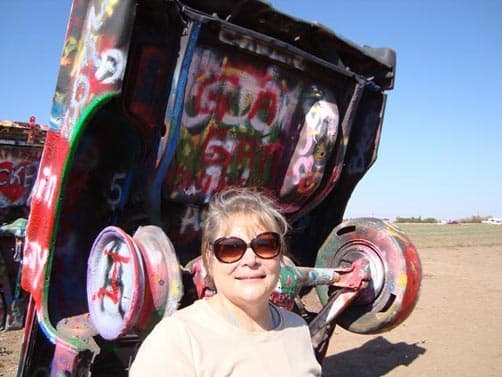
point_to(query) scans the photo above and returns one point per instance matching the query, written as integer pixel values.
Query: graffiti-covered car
(21, 146)
(158, 106)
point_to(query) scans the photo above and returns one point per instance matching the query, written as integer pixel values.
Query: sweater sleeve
(166, 351)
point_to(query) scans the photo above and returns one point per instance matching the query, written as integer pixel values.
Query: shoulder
(161, 335)
(178, 323)
(191, 311)
(291, 319)
(174, 331)
(166, 348)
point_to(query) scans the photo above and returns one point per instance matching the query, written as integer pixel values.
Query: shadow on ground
(376, 357)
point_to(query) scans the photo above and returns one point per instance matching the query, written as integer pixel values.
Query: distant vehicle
(493, 221)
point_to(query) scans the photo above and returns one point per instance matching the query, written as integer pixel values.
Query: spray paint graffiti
(226, 159)
(112, 288)
(95, 66)
(316, 142)
(234, 97)
(38, 234)
(34, 261)
(18, 171)
(191, 220)
(115, 282)
(232, 119)
(45, 187)
(236, 120)
(16, 179)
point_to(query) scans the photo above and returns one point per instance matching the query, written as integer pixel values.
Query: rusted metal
(294, 279)
(349, 283)
(395, 269)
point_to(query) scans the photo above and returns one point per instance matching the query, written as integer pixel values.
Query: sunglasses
(231, 249)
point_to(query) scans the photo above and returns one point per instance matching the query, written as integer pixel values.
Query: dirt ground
(455, 329)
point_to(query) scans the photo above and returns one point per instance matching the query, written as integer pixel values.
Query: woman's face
(251, 279)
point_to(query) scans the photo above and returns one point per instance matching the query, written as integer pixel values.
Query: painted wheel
(164, 284)
(395, 270)
(115, 283)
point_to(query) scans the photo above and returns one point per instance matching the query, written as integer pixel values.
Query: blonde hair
(260, 208)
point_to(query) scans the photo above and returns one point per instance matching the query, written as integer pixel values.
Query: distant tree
(416, 220)
(430, 220)
(474, 219)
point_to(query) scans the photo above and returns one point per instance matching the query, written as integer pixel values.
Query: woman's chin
(253, 291)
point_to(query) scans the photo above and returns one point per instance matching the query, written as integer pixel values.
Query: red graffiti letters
(16, 179)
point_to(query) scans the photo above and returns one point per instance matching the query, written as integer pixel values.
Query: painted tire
(115, 283)
(395, 269)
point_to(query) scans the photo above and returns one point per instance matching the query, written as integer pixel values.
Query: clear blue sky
(441, 145)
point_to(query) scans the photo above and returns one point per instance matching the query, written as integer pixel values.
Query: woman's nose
(250, 258)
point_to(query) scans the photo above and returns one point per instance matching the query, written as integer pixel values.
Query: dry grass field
(455, 329)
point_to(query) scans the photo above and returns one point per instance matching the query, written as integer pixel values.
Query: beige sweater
(196, 341)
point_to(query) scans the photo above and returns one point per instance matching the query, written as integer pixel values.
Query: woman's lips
(254, 277)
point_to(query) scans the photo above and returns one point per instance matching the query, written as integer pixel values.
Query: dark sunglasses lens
(230, 249)
(266, 245)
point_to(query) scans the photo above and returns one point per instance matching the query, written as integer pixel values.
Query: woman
(236, 332)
